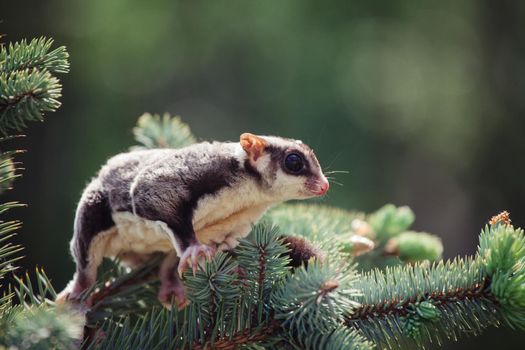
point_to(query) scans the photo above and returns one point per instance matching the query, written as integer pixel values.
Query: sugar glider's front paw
(191, 256)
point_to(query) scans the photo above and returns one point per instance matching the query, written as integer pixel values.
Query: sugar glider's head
(288, 168)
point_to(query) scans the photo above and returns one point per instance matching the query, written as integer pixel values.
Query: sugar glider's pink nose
(325, 185)
(318, 185)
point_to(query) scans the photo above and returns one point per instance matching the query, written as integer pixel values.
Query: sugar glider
(186, 203)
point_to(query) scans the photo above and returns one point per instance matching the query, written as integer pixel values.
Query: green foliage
(328, 227)
(247, 297)
(312, 221)
(389, 221)
(152, 331)
(334, 229)
(8, 250)
(263, 267)
(8, 169)
(445, 300)
(27, 90)
(417, 314)
(154, 131)
(314, 300)
(391, 299)
(250, 297)
(34, 322)
(417, 246)
(39, 328)
(28, 87)
(340, 338)
(502, 253)
(232, 300)
(35, 55)
(214, 294)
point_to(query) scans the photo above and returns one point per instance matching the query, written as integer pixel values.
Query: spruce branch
(340, 338)
(390, 220)
(27, 295)
(213, 293)
(28, 318)
(389, 317)
(33, 322)
(502, 255)
(252, 297)
(307, 307)
(238, 299)
(33, 55)
(263, 267)
(311, 302)
(318, 295)
(39, 327)
(154, 131)
(9, 252)
(120, 291)
(9, 169)
(244, 338)
(25, 96)
(379, 239)
(413, 246)
(419, 304)
(28, 87)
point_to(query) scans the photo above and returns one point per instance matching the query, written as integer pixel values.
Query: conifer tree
(28, 89)
(307, 276)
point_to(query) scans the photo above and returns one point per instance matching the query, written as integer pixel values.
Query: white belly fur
(219, 220)
(228, 216)
(138, 235)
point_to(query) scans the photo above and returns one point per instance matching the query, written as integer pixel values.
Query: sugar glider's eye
(294, 163)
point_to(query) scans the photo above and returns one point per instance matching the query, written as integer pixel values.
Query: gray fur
(165, 185)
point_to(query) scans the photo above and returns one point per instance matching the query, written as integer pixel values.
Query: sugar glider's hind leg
(171, 286)
(93, 228)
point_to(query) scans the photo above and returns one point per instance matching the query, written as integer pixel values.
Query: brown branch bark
(240, 338)
(439, 298)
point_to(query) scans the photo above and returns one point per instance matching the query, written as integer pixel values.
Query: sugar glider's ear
(253, 145)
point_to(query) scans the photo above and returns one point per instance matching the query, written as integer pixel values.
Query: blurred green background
(422, 102)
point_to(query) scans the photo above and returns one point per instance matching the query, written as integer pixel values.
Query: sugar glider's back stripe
(173, 199)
